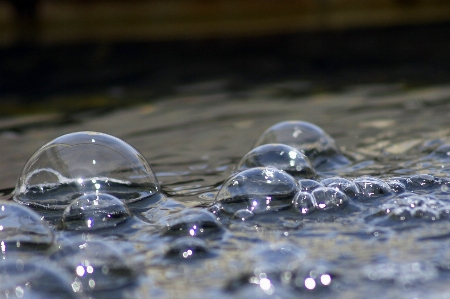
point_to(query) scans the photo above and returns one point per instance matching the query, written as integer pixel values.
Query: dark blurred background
(76, 54)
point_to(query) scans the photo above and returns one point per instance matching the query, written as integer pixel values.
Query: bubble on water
(243, 215)
(397, 185)
(304, 203)
(317, 145)
(342, 184)
(257, 189)
(34, 281)
(309, 185)
(83, 163)
(192, 222)
(280, 156)
(187, 248)
(421, 181)
(330, 199)
(22, 228)
(94, 211)
(95, 266)
(371, 187)
(408, 206)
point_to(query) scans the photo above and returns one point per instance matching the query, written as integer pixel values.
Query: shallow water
(385, 242)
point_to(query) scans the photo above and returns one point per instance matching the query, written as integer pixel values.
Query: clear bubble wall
(83, 163)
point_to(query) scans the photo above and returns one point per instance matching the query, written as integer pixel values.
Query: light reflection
(310, 283)
(3, 246)
(91, 283)
(325, 279)
(80, 270)
(188, 253)
(19, 292)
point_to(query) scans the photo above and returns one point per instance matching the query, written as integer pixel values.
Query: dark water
(387, 236)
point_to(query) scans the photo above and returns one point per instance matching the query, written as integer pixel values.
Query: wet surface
(374, 221)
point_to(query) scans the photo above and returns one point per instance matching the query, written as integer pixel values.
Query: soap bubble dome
(83, 163)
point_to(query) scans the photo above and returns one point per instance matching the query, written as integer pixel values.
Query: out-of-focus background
(79, 54)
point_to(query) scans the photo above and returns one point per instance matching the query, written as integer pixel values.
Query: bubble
(192, 222)
(34, 280)
(83, 163)
(344, 185)
(95, 266)
(330, 199)
(304, 203)
(21, 228)
(421, 181)
(186, 248)
(397, 185)
(309, 185)
(92, 212)
(280, 156)
(243, 215)
(317, 145)
(258, 190)
(409, 206)
(371, 187)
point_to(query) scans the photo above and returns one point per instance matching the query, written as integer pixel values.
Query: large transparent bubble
(258, 190)
(84, 163)
(317, 145)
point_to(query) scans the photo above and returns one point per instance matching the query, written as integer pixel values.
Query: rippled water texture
(347, 195)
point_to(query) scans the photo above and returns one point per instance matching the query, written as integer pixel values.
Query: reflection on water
(376, 224)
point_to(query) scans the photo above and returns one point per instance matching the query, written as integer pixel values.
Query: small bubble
(258, 189)
(91, 212)
(329, 199)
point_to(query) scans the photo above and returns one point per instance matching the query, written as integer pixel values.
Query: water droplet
(280, 156)
(73, 165)
(304, 203)
(92, 212)
(330, 199)
(258, 190)
(317, 145)
(22, 227)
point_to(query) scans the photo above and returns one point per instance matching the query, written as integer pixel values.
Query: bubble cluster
(84, 163)
(407, 207)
